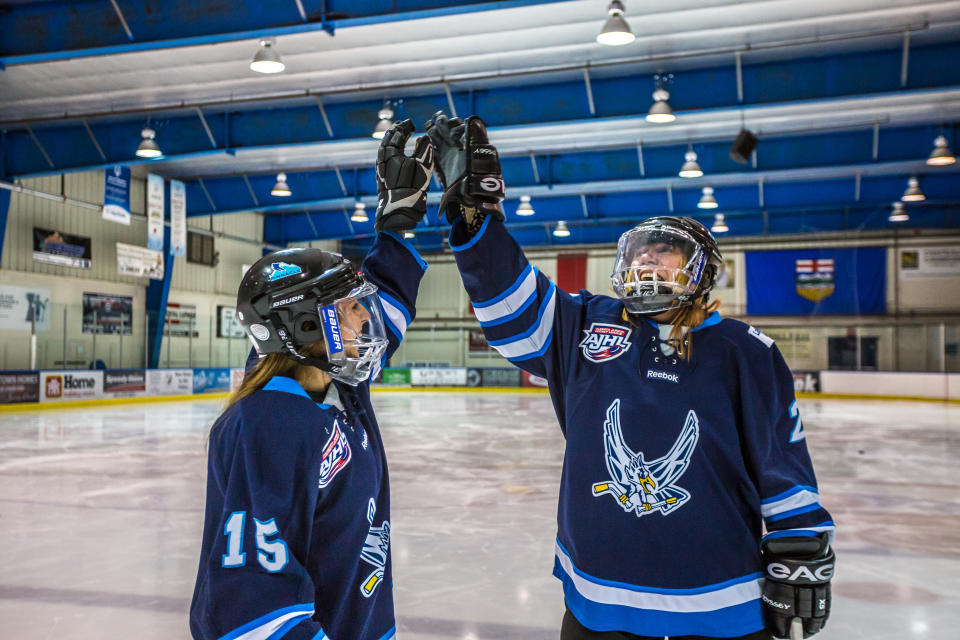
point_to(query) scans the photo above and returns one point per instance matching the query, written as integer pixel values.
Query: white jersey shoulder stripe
(515, 300)
(395, 315)
(532, 341)
(726, 595)
(801, 498)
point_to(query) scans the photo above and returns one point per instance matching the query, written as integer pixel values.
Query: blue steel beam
(4, 210)
(816, 202)
(271, 125)
(322, 189)
(157, 293)
(49, 31)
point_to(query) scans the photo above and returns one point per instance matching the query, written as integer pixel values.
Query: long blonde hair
(274, 364)
(684, 319)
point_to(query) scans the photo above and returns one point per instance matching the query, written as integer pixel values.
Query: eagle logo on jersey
(641, 486)
(376, 548)
(335, 456)
(604, 342)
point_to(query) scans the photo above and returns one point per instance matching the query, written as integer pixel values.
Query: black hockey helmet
(664, 263)
(297, 297)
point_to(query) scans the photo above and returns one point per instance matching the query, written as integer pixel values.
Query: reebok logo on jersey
(604, 342)
(663, 375)
(335, 456)
(290, 300)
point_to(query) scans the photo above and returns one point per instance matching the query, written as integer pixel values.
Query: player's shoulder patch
(603, 342)
(759, 335)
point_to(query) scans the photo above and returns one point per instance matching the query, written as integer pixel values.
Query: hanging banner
(227, 324)
(53, 247)
(817, 281)
(930, 262)
(103, 313)
(116, 194)
(178, 218)
(154, 212)
(139, 261)
(21, 307)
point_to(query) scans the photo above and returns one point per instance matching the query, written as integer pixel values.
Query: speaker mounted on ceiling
(743, 147)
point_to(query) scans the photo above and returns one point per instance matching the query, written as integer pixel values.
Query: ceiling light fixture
(359, 212)
(615, 30)
(148, 146)
(913, 193)
(898, 213)
(561, 230)
(941, 154)
(707, 201)
(281, 189)
(386, 121)
(691, 168)
(524, 208)
(267, 58)
(719, 224)
(660, 112)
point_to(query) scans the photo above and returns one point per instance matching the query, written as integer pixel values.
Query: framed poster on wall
(104, 313)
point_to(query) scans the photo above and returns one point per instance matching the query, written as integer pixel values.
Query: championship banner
(116, 194)
(817, 281)
(154, 212)
(53, 247)
(139, 261)
(178, 218)
(103, 313)
(21, 308)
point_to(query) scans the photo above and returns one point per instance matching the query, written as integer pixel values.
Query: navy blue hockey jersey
(672, 468)
(296, 542)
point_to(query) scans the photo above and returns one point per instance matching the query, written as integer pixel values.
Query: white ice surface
(101, 514)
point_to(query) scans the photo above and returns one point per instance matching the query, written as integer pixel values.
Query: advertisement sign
(530, 380)
(20, 307)
(169, 382)
(817, 281)
(124, 382)
(154, 212)
(65, 249)
(178, 218)
(103, 313)
(448, 377)
(56, 386)
(929, 262)
(19, 386)
(236, 378)
(795, 343)
(140, 262)
(180, 319)
(227, 324)
(806, 381)
(478, 342)
(398, 377)
(116, 194)
(492, 377)
(211, 380)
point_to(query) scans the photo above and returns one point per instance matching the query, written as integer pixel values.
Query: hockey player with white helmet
(688, 502)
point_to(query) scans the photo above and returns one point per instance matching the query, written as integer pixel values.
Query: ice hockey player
(683, 437)
(296, 542)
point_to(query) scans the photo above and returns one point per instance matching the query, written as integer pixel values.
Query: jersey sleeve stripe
(266, 625)
(409, 247)
(827, 527)
(320, 636)
(523, 282)
(397, 316)
(389, 634)
(793, 499)
(788, 493)
(474, 239)
(535, 338)
(793, 512)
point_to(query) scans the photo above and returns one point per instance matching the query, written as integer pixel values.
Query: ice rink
(101, 515)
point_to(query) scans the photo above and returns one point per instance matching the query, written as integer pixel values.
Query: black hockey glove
(402, 182)
(797, 585)
(468, 166)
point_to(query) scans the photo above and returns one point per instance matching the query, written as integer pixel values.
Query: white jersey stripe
(723, 597)
(511, 303)
(799, 499)
(268, 628)
(536, 338)
(396, 316)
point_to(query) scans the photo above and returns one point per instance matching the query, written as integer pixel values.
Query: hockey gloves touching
(402, 181)
(797, 583)
(468, 166)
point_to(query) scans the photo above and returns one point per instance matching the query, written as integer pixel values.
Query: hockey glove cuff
(402, 181)
(797, 583)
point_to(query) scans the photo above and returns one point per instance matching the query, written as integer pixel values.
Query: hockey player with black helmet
(296, 541)
(683, 437)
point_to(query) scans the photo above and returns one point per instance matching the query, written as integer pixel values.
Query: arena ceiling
(846, 99)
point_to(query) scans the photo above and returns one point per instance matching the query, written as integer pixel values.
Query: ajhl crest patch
(604, 342)
(336, 455)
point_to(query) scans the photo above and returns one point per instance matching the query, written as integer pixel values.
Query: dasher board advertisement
(21, 308)
(446, 377)
(19, 386)
(124, 382)
(169, 382)
(56, 386)
(65, 249)
(140, 262)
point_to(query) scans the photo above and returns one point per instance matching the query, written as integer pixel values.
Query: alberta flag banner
(817, 281)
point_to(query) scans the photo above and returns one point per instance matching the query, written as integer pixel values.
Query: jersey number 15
(271, 554)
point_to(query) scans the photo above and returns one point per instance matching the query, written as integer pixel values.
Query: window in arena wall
(200, 249)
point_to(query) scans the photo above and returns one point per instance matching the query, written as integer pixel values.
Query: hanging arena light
(267, 58)
(616, 31)
(707, 201)
(719, 224)
(898, 213)
(281, 189)
(386, 121)
(913, 193)
(525, 208)
(660, 112)
(941, 155)
(148, 146)
(561, 230)
(359, 212)
(691, 168)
